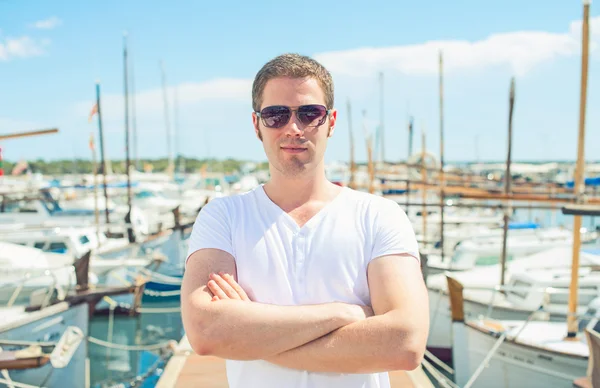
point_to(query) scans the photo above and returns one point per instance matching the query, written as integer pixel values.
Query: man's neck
(290, 193)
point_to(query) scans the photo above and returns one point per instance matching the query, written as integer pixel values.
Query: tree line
(84, 166)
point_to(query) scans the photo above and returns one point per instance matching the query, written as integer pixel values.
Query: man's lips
(293, 149)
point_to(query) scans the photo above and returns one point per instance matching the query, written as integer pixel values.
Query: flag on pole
(93, 112)
(92, 145)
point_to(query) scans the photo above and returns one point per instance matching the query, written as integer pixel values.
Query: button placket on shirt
(300, 255)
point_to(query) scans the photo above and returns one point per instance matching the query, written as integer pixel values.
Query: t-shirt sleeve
(394, 233)
(212, 228)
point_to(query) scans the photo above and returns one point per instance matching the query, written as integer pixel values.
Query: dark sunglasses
(277, 116)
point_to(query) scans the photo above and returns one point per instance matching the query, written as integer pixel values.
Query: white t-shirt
(324, 261)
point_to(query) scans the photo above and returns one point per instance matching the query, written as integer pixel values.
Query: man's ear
(332, 120)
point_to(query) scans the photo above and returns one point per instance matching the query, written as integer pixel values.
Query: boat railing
(545, 291)
(543, 308)
(30, 276)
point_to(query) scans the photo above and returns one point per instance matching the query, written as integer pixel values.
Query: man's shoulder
(373, 202)
(233, 201)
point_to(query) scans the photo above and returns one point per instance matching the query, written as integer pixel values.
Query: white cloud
(150, 102)
(521, 51)
(47, 24)
(22, 47)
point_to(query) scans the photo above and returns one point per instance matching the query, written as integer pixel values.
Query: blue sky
(51, 53)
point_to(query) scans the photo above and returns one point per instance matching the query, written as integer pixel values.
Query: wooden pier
(187, 370)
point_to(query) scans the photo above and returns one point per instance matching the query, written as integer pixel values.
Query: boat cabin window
(520, 288)
(84, 240)
(592, 316)
(57, 247)
(145, 194)
(490, 260)
(28, 208)
(18, 207)
(419, 213)
(39, 244)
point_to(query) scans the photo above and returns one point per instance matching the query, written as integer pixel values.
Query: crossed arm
(333, 337)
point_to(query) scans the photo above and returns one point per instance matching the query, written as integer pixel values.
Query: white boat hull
(515, 365)
(50, 327)
(440, 331)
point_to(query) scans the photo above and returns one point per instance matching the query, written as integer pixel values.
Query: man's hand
(223, 286)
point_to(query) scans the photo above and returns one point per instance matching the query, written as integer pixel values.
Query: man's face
(294, 148)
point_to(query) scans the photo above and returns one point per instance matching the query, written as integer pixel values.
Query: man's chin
(294, 166)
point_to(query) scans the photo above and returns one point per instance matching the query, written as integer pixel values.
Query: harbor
(93, 250)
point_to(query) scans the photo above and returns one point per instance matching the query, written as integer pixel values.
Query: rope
(485, 361)
(139, 379)
(440, 378)
(438, 362)
(162, 293)
(150, 310)
(26, 343)
(157, 277)
(131, 348)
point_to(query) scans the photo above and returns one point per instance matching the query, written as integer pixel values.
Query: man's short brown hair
(294, 66)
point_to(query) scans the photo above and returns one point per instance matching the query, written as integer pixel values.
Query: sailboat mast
(424, 184)
(127, 157)
(103, 161)
(351, 182)
(507, 182)
(167, 120)
(370, 162)
(176, 128)
(410, 137)
(441, 64)
(381, 126)
(134, 118)
(579, 187)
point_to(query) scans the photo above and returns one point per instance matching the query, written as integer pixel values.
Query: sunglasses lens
(276, 116)
(312, 115)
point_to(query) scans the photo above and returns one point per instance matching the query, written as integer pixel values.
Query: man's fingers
(225, 287)
(216, 290)
(231, 281)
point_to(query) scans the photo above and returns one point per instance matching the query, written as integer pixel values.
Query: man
(301, 282)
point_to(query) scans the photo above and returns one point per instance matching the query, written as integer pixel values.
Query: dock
(187, 369)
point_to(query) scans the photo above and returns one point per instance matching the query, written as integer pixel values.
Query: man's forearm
(234, 329)
(376, 344)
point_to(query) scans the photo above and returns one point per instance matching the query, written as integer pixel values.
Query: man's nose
(294, 127)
